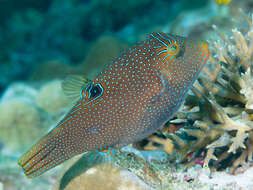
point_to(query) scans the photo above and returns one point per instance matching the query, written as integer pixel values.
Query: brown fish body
(134, 95)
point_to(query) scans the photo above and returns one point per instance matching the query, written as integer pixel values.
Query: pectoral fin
(72, 86)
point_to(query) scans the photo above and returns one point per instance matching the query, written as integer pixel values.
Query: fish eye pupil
(95, 91)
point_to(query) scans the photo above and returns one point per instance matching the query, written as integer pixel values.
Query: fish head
(180, 59)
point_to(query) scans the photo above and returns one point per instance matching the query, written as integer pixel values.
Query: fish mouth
(205, 52)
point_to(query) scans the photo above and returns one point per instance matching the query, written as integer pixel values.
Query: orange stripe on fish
(132, 97)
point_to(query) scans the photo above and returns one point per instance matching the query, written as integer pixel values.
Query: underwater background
(207, 145)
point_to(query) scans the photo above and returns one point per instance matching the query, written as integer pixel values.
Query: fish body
(133, 96)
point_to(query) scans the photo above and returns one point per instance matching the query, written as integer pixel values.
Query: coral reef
(158, 173)
(44, 41)
(22, 121)
(90, 172)
(21, 91)
(106, 176)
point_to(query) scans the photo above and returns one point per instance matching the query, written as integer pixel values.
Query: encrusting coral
(20, 119)
(51, 98)
(19, 124)
(218, 113)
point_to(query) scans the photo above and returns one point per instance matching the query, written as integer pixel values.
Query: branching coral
(218, 113)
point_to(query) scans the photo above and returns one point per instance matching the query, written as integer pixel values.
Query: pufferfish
(136, 94)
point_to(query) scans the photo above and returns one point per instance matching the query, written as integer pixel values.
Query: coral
(87, 171)
(158, 141)
(21, 91)
(51, 98)
(226, 92)
(106, 176)
(91, 173)
(19, 124)
(157, 172)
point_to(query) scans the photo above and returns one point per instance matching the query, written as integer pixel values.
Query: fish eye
(173, 48)
(95, 91)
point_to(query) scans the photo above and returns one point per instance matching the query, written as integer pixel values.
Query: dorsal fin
(72, 86)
